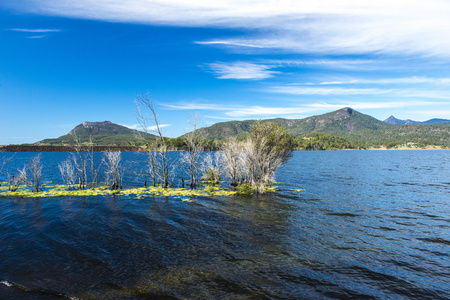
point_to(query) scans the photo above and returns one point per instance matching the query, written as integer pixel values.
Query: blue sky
(63, 62)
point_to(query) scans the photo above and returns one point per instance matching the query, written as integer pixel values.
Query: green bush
(211, 176)
(245, 189)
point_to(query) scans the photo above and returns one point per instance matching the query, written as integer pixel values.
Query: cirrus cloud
(241, 70)
(401, 27)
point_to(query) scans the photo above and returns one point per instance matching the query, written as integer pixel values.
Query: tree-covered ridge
(225, 130)
(358, 130)
(324, 141)
(412, 135)
(344, 120)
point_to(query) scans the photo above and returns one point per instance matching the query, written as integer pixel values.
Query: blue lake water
(368, 225)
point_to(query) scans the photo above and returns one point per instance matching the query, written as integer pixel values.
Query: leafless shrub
(211, 167)
(191, 160)
(16, 181)
(94, 170)
(114, 170)
(233, 163)
(67, 170)
(35, 168)
(3, 163)
(80, 160)
(157, 148)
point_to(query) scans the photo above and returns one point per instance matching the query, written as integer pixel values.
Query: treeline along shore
(59, 148)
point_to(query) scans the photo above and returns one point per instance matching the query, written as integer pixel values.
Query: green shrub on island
(211, 176)
(245, 189)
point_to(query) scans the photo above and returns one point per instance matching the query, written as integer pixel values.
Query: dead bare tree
(211, 167)
(67, 170)
(83, 160)
(80, 161)
(157, 148)
(94, 170)
(3, 163)
(16, 181)
(35, 168)
(191, 159)
(114, 170)
(30, 175)
(232, 160)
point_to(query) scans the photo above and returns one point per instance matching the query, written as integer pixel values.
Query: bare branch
(157, 148)
(114, 170)
(35, 168)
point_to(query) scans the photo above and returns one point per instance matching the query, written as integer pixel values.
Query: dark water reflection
(370, 224)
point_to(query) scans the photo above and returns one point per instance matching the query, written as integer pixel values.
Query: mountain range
(342, 120)
(394, 121)
(346, 123)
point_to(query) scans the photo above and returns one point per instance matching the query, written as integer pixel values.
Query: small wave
(387, 228)
(435, 240)
(36, 291)
(7, 283)
(343, 214)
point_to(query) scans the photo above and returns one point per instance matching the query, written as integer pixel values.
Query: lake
(342, 225)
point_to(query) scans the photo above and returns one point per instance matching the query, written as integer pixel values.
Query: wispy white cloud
(241, 70)
(35, 30)
(241, 111)
(150, 128)
(347, 64)
(372, 105)
(300, 90)
(22, 137)
(404, 80)
(35, 37)
(228, 43)
(229, 112)
(401, 27)
(262, 69)
(39, 30)
(407, 92)
(196, 106)
(264, 112)
(438, 113)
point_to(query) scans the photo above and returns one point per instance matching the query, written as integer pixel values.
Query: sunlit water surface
(368, 225)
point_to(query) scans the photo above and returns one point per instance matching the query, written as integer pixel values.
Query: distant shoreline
(53, 148)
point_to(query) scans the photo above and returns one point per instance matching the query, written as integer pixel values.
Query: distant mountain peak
(343, 113)
(101, 133)
(86, 123)
(394, 121)
(95, 126)
(348, 109)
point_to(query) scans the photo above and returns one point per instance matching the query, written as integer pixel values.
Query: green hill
(102, 134)
(358, 129)
(342, 120)
(416, 135)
